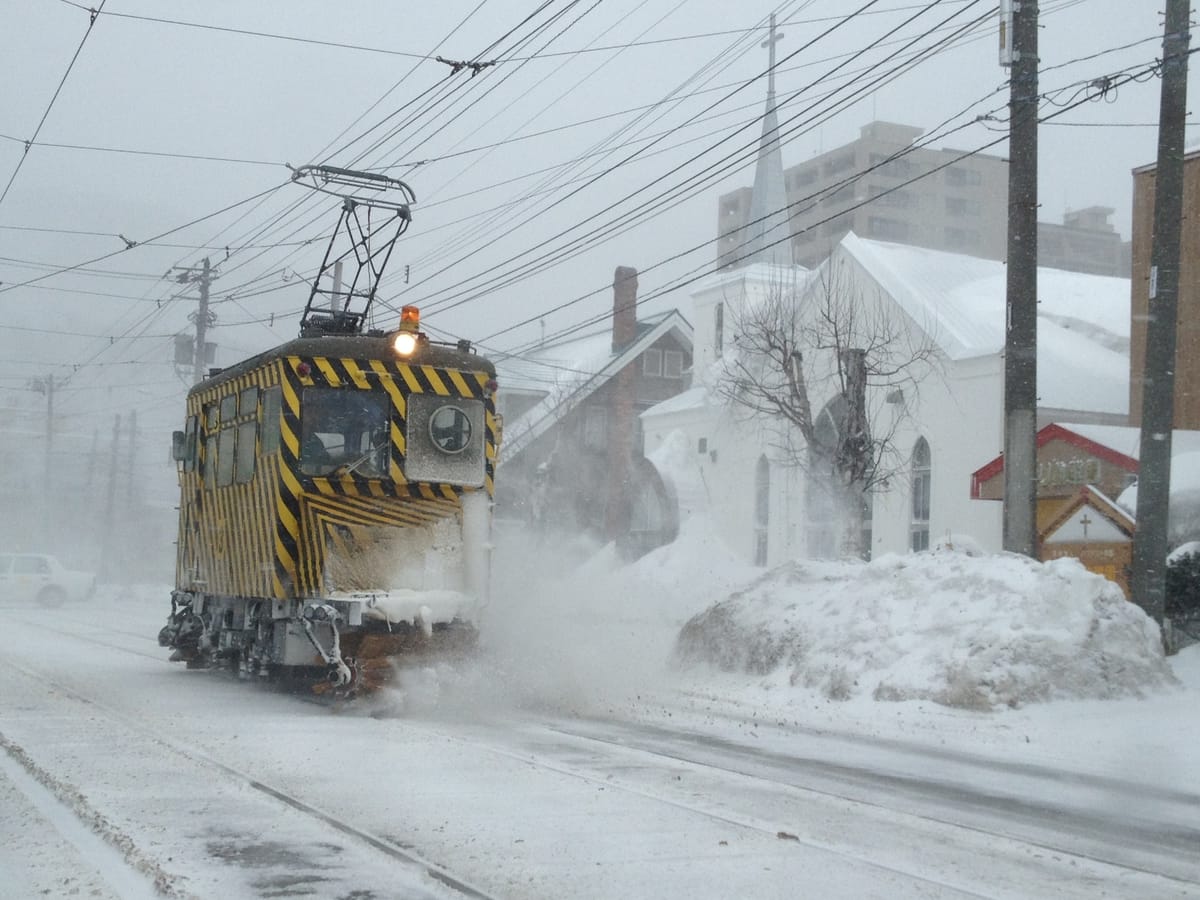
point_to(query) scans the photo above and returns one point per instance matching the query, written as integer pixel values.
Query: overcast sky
(592, 110)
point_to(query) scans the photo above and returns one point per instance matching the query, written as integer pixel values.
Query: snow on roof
(1127, 439)
(1083, 320)
(692, 398)
(760, 272)
(569, 381)
(538, 370)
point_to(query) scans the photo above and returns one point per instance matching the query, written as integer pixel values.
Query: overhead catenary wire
(703, 271)
(541, 27)
(538, 317)
(733, 131)
(297, 242)
(558, 251)
(148, 241)
(58, 90)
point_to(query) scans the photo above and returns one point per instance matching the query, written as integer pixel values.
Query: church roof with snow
(960, 301)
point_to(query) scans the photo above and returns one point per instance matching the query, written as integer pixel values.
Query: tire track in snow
(163, 881)
(74, 800)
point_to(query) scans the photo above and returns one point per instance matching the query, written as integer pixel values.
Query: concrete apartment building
(960, 206)
(1187, 336)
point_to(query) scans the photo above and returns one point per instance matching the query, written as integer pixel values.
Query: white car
(26, 577)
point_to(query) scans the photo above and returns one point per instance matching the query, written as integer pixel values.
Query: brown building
(1187, 337)
(1079, 480)
(1086, 241)
(572, 448)
(959, 206)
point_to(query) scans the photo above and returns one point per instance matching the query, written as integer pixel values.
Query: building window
(922, 469)
(958, 238)
(652, 363)
(594, 428)
(842, 163)
(962, 206)
(960, 175)
(672, 364)
(887, 229)
(719, 329)
(801, 177)
(868, 516)
(762, 509)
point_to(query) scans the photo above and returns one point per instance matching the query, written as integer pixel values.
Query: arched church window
(922, 471)
(762, 509)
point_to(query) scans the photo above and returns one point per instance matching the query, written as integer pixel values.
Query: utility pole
(130, 482)
(47, 385)
(1020, 344)
(202, 317)
(107, 563)
(1148, 583)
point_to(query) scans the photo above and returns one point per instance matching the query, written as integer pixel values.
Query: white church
(940, 415)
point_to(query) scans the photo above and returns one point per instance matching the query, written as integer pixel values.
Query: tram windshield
(344, 431)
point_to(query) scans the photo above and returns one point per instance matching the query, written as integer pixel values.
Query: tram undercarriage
(341, 647)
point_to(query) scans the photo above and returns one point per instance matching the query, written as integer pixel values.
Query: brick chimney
(624, 328)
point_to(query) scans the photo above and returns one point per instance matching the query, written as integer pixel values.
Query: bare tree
(829, 340)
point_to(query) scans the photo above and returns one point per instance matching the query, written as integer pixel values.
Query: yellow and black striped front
(257, 526)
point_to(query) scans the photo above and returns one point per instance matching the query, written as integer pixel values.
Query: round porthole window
(450, 429)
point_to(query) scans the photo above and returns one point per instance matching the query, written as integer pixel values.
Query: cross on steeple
(769, 43)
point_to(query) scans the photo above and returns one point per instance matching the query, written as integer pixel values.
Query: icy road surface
(125, 776)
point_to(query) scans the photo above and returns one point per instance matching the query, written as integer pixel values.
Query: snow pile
(963, 631)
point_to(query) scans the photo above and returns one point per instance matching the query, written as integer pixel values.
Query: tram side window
(272, 404)
(225, 447)
(208, 462)
(228, 408)
(246, 432)
(248, 402)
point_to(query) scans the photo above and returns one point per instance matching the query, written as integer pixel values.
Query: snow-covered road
(126, 776)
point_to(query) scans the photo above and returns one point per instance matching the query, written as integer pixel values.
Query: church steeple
(767, 229)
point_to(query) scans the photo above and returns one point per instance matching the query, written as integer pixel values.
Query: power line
(703, 271)
(11, 287)
(574, 245)
(251, 33)
(20, 162)
(133, 152)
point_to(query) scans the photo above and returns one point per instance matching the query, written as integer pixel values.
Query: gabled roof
(960, 301)
(1070, 517)
(1056, 432)
(1116, 444)
(540, 369)
(569, 384)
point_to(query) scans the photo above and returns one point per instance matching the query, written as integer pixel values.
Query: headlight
(405, 343)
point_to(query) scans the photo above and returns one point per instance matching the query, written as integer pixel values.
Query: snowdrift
(961, 630)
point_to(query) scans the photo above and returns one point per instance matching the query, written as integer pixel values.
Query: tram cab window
(344, 429)
(189, 443)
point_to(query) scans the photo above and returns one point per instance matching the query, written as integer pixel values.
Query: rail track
(761, 798)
